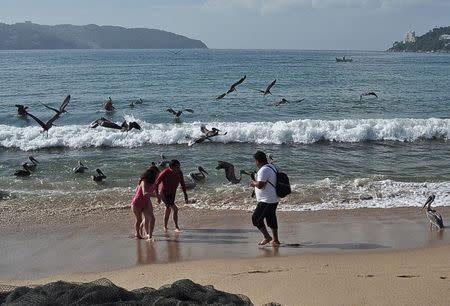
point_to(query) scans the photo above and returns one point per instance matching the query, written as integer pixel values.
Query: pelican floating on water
(200, 175)
(210, 133)
(80, 168)
(433, 216)
(33, 164)
(229, 172)
(99, 177)
(285, 101)
(21, 110)
(23, 172)
(108, 105)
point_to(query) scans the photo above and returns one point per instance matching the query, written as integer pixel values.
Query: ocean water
(340, 151)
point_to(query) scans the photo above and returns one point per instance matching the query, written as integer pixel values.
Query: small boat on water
(343, 59)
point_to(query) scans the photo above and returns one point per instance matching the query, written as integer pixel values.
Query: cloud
(265, 7)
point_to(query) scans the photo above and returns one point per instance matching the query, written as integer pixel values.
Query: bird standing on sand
(232, 88)
(108, 105)
(433, 216)
(267, 90)
(229, 172)
(370, 93)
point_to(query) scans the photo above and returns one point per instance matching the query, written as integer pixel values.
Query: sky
(249, 24)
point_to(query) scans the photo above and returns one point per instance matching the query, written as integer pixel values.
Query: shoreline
(101, 241)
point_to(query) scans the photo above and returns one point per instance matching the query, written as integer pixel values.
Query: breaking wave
(304, 131)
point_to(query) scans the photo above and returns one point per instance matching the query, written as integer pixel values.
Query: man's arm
(183, 187)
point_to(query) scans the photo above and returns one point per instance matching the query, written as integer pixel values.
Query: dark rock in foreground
(23, 36)
(104, 292)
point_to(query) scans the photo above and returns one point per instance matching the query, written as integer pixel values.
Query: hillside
(22, 36)
(428, 42)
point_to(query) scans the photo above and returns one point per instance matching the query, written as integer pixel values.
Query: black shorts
(168, 199)
(265, 211)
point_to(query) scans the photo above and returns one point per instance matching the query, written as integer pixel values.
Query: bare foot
(151, 239)
(265, 241)
(177, 230)
(275, 243)
(138, 236)
(165, 229)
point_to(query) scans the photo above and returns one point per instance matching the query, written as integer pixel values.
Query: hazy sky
(250, 24)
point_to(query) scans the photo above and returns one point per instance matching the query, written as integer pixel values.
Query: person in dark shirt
(170, 179)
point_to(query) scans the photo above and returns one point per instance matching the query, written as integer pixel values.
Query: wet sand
(101, 240)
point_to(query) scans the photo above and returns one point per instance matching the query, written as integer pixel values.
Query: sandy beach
(351, 257)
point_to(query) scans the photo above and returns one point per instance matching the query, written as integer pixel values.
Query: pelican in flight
(99, 177)
(267, 90)
(210, 133)
(232, 87)
(200, 175)
(33, 164)
(370, 93)
(21, 110)
(229, 172)
(108, 105)
(125, 127)
(177, 114)
(175, 52)
(23, 172)
(45, 125)
(61, 107)
(285, 101)
(433, 216)
(80, 168)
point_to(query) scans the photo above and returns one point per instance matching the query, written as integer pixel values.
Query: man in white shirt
(266, 196)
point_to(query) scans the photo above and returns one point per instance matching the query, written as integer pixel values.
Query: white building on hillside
(410, 37)
(444, 37)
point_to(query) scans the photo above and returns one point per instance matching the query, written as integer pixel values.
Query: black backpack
(282, 186)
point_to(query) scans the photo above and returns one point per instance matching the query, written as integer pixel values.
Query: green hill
(29, 35)
(425, 43)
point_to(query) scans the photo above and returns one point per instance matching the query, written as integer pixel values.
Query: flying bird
(210, 133)
(177, 114)
(21, 110)
(370, 93)
(232, 87)
(175, 52)
(267, 90)
(285, 101)
(125, 127)
(433, 216)
(61, 107)
(229, 172)
(45, 125)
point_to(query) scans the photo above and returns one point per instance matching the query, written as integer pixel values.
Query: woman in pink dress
(142, 204)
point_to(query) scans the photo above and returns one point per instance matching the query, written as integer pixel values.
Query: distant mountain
(29, 35)
(433, 41)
